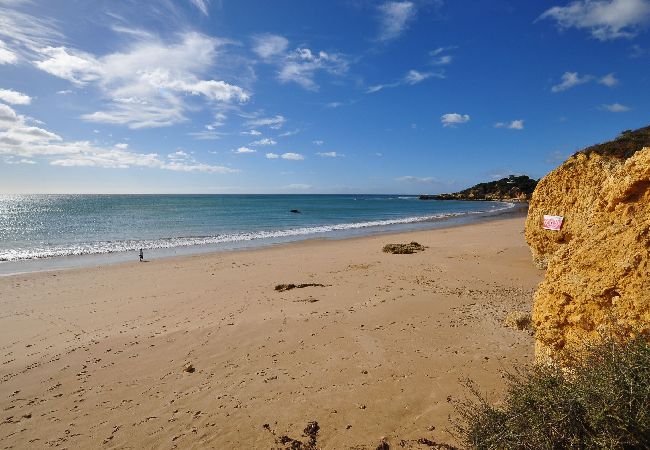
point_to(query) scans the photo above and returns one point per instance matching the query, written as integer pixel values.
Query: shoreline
(56, 263)
(99, 356)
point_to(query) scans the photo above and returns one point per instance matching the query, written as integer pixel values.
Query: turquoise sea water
(55, 226)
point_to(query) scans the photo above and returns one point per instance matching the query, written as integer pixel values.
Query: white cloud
(269, 45)
(569, 80)
(202, 5)
(572, 79)
(20, 140)
(251, 133)
(301, 65)
(604, 19)
(298, 186)
(414, 77)
(65, 92)
(453, 119)
(148, 84)
(272, 156)
(442, 60)
(394, 18)
(207, 135)
(417, 180)
(318, 142)
(27, 32)
(72, 65)
(265, 141)
(15, 98)
(513, 125)
(614, 107)
(329, 154)
(439, 58)
(11, 160)
(244, 150)
(292, 156)
(272, 122)
(6, 55)
(609, 80)
(289, 133)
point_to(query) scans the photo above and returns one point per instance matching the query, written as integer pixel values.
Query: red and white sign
(553, 222)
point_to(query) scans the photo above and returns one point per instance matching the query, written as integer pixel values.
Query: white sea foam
(104, 247)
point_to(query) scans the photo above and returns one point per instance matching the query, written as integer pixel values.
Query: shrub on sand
(518, 320)
(601, 401)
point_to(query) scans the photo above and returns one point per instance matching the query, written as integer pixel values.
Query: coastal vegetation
(603, 401)
(513, 187)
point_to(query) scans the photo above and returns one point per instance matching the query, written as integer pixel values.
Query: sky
(337, 96)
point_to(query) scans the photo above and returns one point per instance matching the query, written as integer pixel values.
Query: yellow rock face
(598, 265)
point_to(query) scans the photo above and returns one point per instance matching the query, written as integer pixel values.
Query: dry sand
(95, 357)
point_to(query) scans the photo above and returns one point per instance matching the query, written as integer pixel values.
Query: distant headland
(513, 188)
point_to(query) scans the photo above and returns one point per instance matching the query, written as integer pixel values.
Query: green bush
(602, 401)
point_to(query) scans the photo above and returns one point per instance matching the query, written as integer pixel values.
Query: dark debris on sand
(403, 249)
(289, 286)
(287, 443)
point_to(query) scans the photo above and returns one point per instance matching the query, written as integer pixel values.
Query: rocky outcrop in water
(598, 264)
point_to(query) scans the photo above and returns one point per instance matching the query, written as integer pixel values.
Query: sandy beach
(99, 357)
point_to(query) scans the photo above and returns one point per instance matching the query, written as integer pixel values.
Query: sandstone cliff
(598, 265)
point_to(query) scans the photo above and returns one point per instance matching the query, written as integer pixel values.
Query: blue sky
(347, 96)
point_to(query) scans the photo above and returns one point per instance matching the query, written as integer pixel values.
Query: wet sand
(100, 357)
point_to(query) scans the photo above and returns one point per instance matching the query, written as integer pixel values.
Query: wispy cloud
(394, 18)
(269, 45)
(264, 141)
(439, 56)
(289, 133)
(20, 140)
(569, 80)
(513, 125)
(454, 119)
(298, 187)
(412, 77)
(329, 154)
(318, 142)
(147, 85)
(6, 55)
(274, 122)
(251, 133)
(288, 155)
(299, 65)
(202, 5)
(292, 156)
(244, 150)
(572, 79)
(609, 80)
(417, 180)
(14, 97)
(614, 107)
(604, 19)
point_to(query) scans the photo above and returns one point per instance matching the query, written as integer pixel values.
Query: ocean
(55, 231)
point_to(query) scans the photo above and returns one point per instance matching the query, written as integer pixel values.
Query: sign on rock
(553, 222)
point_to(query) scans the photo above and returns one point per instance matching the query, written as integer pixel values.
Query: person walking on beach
(141, 255)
